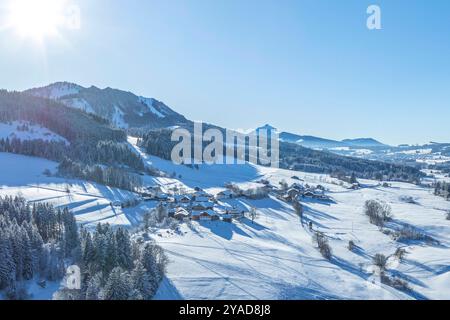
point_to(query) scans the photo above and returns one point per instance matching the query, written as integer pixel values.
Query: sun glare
(36, 19)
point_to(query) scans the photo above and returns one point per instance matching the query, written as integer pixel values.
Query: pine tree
(123, 243)
(7, 266)
(70, 232)
(141, 281)
(118, 286)
(94, 287)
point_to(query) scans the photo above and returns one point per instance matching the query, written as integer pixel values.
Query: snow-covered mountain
(123, 109)
(364, 142)
(322, 143)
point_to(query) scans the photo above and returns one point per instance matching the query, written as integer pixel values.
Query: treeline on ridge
(295, 157)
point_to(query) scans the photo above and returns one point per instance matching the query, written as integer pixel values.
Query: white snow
(418, 151)
(118, 119)
(62, 90)
(340, 149)
(33, 132)
(363, 151)
(149, 103)
(89, 202)
(273, 258)
(78, 103)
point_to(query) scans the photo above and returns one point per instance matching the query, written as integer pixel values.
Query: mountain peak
(122, 108)
(364, 142)
(267, 127)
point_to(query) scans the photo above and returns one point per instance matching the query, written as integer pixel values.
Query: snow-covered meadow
(274, 257)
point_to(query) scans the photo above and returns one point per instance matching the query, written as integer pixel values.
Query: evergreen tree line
(38, 242)
(92, 141)
(110, 176)
(102, 152)
(443, 167)
(34, 241)
(69, 123)
(115, 267)
(442, 189)
(295, 157)
(299, 158)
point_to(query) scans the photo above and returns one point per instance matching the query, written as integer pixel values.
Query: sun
(36, 19)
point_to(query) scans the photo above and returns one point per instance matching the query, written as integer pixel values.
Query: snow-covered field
(90, 203)
(25, 131)
(274, 257)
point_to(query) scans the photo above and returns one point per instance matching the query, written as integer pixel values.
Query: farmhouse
(204, 215)
(316, 194)
(154, 191)
(298, 186)
(185, 199)
(293, 193)
(171, 212)
(202, 206)
(236, 213)
(226, 194)
(181, 214)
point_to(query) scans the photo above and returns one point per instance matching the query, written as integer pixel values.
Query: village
(199, 205)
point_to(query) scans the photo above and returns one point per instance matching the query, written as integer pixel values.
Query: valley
(256, 232)
(274, 257)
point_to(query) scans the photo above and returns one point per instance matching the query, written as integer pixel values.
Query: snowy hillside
(274, 257)
(25, 131)
(90, 203)
(123, 109)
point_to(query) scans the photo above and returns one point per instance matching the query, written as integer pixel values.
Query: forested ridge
(295, 157)
(92, 142)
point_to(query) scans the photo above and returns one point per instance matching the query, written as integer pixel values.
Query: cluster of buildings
(299, 191)
(197, 206)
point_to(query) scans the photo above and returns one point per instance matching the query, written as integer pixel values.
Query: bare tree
(298, 207)
(380, 260)
(378, 212)
(351, 245)
(253, 214)
(322, 243)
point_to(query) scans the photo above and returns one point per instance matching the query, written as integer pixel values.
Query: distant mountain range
(126, 110)
(322, 143)
(87, 116)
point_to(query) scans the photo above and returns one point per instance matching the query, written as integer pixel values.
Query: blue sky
(309, 67)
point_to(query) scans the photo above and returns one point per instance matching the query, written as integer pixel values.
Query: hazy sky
(309, 67)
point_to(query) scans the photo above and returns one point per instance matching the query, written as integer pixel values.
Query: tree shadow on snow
(224, 230)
